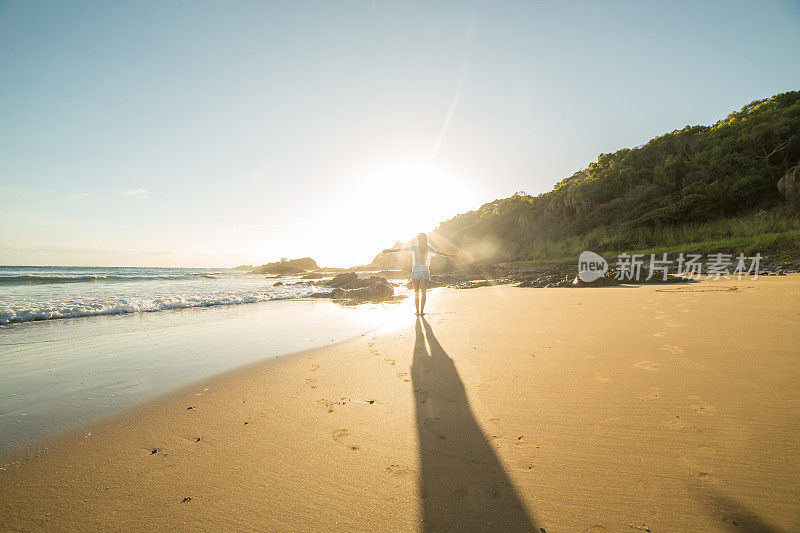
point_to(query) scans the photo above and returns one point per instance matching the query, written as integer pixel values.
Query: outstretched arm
(439, 252)
(391, 250)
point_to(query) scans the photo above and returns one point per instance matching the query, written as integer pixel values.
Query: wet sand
(58, 375)
(658, 408)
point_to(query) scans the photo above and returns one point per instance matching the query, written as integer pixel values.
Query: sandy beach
(650, 408)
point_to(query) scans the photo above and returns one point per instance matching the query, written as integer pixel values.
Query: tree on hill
(693, 175)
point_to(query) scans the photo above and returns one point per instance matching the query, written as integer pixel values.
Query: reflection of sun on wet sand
(564, 409)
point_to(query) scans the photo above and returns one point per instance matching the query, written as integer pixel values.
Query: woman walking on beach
(420, 269)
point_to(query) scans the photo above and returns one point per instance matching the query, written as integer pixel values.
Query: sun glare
(397, 201)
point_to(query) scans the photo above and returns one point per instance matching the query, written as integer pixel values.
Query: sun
(395, 201)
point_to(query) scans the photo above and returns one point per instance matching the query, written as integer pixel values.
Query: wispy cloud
(140, 194)
(77, 196)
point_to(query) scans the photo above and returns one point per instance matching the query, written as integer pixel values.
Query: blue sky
(214, 134)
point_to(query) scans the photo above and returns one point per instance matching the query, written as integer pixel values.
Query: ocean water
(44, 293)
(79, 344)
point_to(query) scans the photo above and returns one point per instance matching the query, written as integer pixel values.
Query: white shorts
(420, 272)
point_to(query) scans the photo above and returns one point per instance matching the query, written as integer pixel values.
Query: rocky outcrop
(322, 295)
(607, 281)
(287, 266)
(349, 286)
(546, 282)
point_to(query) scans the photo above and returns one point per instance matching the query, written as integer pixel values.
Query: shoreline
(116, 420)
(658, 407)
(60, 375)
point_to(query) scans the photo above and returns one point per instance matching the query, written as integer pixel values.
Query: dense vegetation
(712, 186)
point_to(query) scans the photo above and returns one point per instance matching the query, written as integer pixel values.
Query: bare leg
(423, 285)
(415, 285)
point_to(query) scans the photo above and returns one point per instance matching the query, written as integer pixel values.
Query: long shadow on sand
(463, 484)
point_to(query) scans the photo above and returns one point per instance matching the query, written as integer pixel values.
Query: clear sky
(215, 134)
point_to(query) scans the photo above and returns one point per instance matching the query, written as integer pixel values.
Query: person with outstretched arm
(420, 270)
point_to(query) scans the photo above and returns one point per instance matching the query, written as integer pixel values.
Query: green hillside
(702, 187)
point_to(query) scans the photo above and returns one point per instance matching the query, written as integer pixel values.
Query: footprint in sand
(675, 350)
(390, 361)
(331, 404)
(398, 470)
(314, 367)
(699, 472)
(403, 376)
(433, 425)
(311, 383)
(422, 395)
(497, 433)
(431, 422)
(659, 334)
(701, 407)
(486, 385)
(523, 442)
(647, 365)
(676, 422)
(341, 435)
(653, 394)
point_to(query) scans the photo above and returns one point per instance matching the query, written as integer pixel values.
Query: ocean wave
(33, 279)
(144, 305)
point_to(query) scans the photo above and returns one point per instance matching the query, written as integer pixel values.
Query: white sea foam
(67, 310)
(66, 292)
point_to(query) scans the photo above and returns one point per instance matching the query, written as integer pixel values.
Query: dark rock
(473, 284)
(607, 281)
(345, 280)
(349, 286)
(287, 266)
(381, 290)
